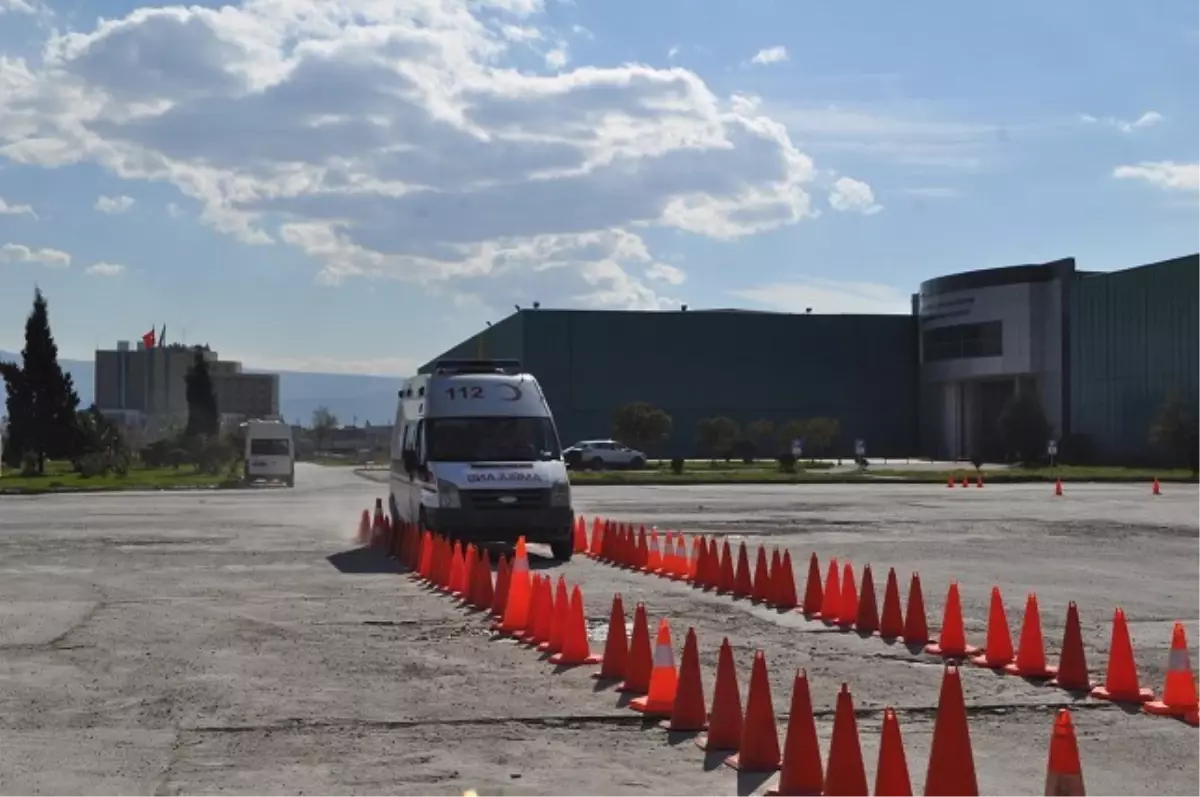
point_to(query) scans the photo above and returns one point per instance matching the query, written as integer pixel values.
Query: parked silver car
(601, 454)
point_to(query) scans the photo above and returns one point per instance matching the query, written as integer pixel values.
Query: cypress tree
(203, 416)
(47, 402)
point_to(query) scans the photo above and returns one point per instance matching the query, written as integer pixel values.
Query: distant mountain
(370, 399)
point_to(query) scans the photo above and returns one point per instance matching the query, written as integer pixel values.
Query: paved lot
(238, 642)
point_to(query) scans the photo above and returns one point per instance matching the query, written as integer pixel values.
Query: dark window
(493, 439)
(963, 341)
(268, 447)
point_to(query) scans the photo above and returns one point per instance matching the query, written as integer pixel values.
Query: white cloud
(15, 210)
(665, 273)
(932, 192)
(398, 141)
(770, 55)
(174, 211)
(827, 296)
(103, 269)
(19, 253)
(557, 58)
(850, 195)
(113, 205)
(1168, 175)
(672, 52)
(17, 6)
(1148, 119)
(374, 366)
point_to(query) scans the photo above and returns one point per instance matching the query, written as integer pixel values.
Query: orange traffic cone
(952, 638)
(1058, 487)
(689, 714)
(848, 605)
(640, 661)
(891, 775)
(575, 649)
(1064, 775)
(979, 480)
(616, 649)
(1072, 661)
(891, 621)
(785, 584)
(867, 620)
(759, 747)
(743, 586)
(516, 607)
(364, 527)
(485, 594)
(1179, 691)
(500, 596)
(774, 576)
(916, 629)
(760, 591)
(844, 774)
(801, 772)
(965, 483)
(813, 595)
(831, 596)
(1155, 489)
(540, 612)
(725, 719)
(654, 557)
(950, 481)
(580, 542)
(998, 652)
(659, 700)
(560, 619)
(728, 579)
(1031, 650)
(951, 763)
(713, 579)
(1121, 681)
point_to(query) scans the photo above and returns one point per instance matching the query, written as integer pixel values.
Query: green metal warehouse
(1102, 351)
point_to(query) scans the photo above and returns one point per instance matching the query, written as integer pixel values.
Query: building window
(963, 341)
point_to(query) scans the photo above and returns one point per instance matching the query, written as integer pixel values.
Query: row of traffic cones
(1155, 487)
(840, 602)
(526, 608)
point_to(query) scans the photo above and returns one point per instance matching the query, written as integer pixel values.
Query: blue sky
(355, 186)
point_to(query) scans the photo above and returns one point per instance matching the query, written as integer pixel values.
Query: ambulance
(476, 457)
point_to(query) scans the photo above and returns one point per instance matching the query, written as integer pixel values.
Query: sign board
(797, 447)
(860, 447)
(1052, 448)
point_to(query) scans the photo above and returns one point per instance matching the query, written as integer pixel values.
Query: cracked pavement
(237, 641)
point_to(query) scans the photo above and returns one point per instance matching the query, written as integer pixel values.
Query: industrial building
(1102, 351)
(145, 387)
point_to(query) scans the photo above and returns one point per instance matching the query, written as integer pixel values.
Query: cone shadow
(604, 684)
(715, 759)
(750, 782)
(675, 738)
(364, 561)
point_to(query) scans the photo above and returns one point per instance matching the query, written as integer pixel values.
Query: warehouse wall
(859, 369)
(502, 340)
(1133, 340)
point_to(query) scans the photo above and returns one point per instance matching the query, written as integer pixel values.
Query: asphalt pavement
(240, 641)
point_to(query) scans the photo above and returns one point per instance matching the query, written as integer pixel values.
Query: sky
(355, 186)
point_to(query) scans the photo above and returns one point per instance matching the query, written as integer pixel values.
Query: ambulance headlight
(560, 494)
(448, 497)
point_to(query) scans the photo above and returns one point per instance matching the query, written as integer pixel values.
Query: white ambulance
(270, 454)
(476, 456)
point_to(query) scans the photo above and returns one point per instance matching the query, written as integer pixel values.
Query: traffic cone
(575, 650)
(640, 661)
(785, 584)
(1064, 775)
(425, 562)
(979, 480)
(844, 774)
(952, 638)
(689, 714)
(700, 580)
(1179, 691)
(916, 629)
(1121, 681)
(743, 586)
(891, 774)
(579, 543)
(659, 700)
(454, 586)
(560, 619)
(831, 600)
(728, 579)
(866, 622)
(485, 594)
(643, 551)
(1072, 661)
(998, 652)
(725, 719)
(616, 649)
(891, 621)
(950, 481)
(951, 763)
(1156, 490)
(540, 611)
(775, 575)
(759, 747)
(654, 559)
(801, 772)
(713, 579)
(848, 605)
(682, 563)
(965, 483)
(1058, 487)
(500, 596)
(516, 606)
(761, 587)
(699, 549)
(468, 572)
(596, 543)
(813, 595)
(364, 527)
(1031, 650)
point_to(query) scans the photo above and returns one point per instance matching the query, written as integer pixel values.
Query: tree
(323, 424)
(1174, 431)
(1023, 427)
(792, 430)
(716, 437)
(203, 419)
(641, 425)
(41, 399)
(821, 434)
(762, 434)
